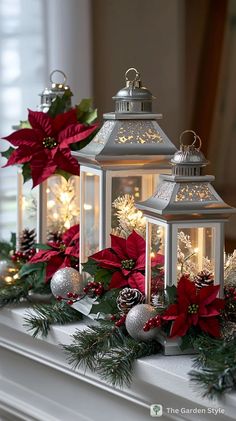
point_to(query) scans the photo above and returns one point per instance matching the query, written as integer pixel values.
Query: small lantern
(185, 224)
(125, 157)
(53, 206)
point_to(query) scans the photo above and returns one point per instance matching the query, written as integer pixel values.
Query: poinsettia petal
(61, 121)
(28, 137)
(106, 259)
(43, 256)
(70, 234)
(137, 280)
(75, 134)
(41, 168)
(41, 121)
(135, 245)
(180, 326)
(53, 265)
(66, 162)
(117, 280)
(118, 244)
(210, 326)
(186, 291)
(208, 294)
(19, 156)
(171, 313)
(140, 262)
(158, 260)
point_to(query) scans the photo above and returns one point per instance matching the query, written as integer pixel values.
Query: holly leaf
(91, 116)
(60, 104)
(6, 154)
(26, 172)
(24, 124)
(84, 105)
(171, 293)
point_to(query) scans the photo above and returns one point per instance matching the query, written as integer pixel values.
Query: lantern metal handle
(196, 137)
(136, 80)
(58, 71)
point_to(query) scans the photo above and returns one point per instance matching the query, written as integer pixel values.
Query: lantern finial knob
(189, 160)
(136, 82)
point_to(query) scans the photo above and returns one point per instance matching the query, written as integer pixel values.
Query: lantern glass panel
(27, 204)
(156, 261)
(139, 186)
(62, 203)
(91, 213)
(195, 250)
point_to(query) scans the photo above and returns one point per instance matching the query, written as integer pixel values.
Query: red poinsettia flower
(126, 257)
(46, 145)
(60, 253)
(194, 308)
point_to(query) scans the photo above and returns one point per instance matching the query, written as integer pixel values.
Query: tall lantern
(185, 220)
(126, 156)
(53, 206)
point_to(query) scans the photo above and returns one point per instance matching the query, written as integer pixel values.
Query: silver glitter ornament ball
(66, 280)
(136, 319)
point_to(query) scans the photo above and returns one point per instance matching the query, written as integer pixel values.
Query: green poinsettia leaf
(63, 173)
(171, 293)
(13, 240)
(84, 105)
(107, 303)
(42, 246)
(90, 267)
(24, 124)
(91, 116)
(60, 104)
(31, 267)
(26, 172)
(6, 154)
(104, 276)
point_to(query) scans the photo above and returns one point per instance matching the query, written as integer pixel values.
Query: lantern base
(172, 346)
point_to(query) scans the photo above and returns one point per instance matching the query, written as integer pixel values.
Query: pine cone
(54, 236)
(203, 279)
(128, 298)
(27, 240)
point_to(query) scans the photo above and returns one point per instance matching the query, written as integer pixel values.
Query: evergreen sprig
(13, 293)
(216, 364)
(109, 351)
(43, 316)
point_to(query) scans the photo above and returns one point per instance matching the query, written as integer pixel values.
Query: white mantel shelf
(38, 384)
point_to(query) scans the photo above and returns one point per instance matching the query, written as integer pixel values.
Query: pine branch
(45, 315)
(109, 351)
(216, 363)
(90, 343)
(11, 294)
(116, 366)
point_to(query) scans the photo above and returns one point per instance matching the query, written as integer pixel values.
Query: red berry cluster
(20, 256)
(230, 293)
(94, 288)
(120, 321)
(73, 298)
(153, 322)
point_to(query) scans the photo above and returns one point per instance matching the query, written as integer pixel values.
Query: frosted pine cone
(203, 279)
(128, 298)
(27, 240)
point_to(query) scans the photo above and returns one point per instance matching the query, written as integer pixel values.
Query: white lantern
(53, 206)
(126, 156)
(185, 220)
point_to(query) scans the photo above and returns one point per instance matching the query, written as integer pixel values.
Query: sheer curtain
(22, 76)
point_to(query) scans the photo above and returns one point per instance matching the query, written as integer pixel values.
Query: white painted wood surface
(36, 383)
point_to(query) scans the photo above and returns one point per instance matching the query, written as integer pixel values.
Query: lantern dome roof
(186, 194)
(130, 135)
